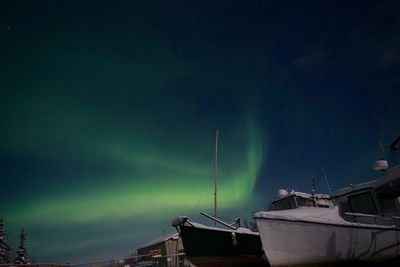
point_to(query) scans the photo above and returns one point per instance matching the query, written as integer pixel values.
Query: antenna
(382, 149)
(326, 180)
(379, 136)
(313, 186)
(380, 165)
(394, 147)
(313, 190)
(216, 174)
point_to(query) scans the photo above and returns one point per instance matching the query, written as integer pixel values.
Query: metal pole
(219, 221)
(216, 175)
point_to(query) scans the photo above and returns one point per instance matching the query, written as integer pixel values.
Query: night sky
(109, 111)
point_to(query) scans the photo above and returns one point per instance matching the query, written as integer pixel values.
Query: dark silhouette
(22, 254)
(4, 246)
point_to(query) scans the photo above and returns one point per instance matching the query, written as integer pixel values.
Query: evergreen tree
(22, 254)
(4, 246)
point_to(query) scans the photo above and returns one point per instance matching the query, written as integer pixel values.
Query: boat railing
(375, 218)
(236, 223)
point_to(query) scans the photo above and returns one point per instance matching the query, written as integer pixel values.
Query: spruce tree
(22, 254)
(4, 246)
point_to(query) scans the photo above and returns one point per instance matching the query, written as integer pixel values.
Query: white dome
(380, 165)
(282, 193)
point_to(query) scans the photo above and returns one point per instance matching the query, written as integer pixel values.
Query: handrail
(372, 216)
(218, 221)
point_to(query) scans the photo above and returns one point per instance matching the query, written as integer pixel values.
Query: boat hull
(291, 243)
(214, 248)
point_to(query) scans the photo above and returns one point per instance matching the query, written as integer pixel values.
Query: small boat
(363, 226)
(232, 246)
(207, 246)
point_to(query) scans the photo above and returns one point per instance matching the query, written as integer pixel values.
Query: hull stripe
(330, 224)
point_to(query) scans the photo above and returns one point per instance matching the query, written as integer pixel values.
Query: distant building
(164, 251)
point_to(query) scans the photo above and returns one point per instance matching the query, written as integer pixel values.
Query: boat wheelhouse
(292, 200)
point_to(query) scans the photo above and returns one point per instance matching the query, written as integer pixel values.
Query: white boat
(365, 226)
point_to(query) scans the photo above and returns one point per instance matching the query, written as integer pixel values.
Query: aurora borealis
(109, 111)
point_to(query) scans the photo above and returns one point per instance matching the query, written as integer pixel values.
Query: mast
(216, 174)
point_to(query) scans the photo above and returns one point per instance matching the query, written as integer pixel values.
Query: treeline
(21, 256)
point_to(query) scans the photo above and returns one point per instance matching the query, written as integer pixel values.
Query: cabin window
(344, 207)
(304, 202)
(292, 203)
(362, 203)
(285, 204)
(387, 204)
(282, 205)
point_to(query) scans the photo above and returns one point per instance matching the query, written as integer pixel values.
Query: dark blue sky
(109, 111)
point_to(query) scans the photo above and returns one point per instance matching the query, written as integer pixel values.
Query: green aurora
(108, 112)
(155, 182)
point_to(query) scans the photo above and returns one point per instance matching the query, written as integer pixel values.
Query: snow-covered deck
(314, 215)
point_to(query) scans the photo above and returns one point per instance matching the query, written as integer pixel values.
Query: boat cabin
(374, 202)
(292, 200)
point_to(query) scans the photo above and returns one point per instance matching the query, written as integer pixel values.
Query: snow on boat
(219, 247)
(364, 226)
